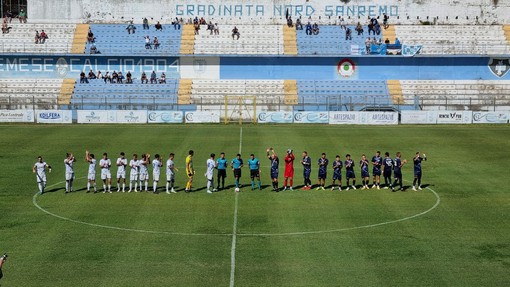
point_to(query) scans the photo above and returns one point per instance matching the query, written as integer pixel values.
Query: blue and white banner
(131, 117)
(16, 116)
(311, 117)
(169, 117)
(202, 117)
(379, 118)
(417, 117)
(95, 116)
(454, 117)
(54, 116)
(344, 118)
(490, 117)
(410, 50)
(275, 117)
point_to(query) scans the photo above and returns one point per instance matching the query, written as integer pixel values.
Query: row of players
(139, 172)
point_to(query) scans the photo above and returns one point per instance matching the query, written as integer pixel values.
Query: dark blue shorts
(323, 174)
(417, 173)
(306, 173)
(365, 174)
(337, 175)
(387, 173)
(398, 175)
(376, 172)
(350, 174)
(274, 174)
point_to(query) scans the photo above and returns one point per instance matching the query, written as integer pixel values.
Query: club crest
(499, 67)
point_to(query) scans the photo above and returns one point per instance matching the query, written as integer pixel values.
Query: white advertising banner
(344, 118)
(379, 118)
(417, 117)
(275, 117)
(131, 117)
(170, 117)
(454, 117)
(95, 117)
(490, 117)
(202, 117)
(54, 116)
(17, 116)
(311, 117)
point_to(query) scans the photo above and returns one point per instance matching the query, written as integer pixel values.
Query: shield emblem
(499, 66)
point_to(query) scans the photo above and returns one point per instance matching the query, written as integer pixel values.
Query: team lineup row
(139, 171)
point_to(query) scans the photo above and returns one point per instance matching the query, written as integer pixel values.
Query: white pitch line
(234, 228)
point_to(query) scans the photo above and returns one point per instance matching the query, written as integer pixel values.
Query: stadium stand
(20, 38)
(113, 39)
(254, 39)
(330, 41)
(30, 93)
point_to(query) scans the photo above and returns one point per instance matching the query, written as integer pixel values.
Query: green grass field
(461, 237)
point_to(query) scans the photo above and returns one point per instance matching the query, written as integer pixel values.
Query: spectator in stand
(289, 22)
(342, 22)
(299, 25)
(374, 41)
(162, 79)
(121, 78)
(90, 37)
(131, 28)
(308, 29)
(385, 21)
(196, 21)
(99, 75)
(387, 41)
(37, 37)
(377, 28)
(9, 15)
(22, 16)
(143, 78)
(397, 42)
(154, 78)
(370, 28)
(210, 27)
(93, 49)
(367, 45)
(348, 34)
(5, 28)
(91, 75)
(235, 32)
(216, 29)
(115, 77)
(42, 37)
(129, 78)
(148, 44)
(315, 28)
(145, 23)
(177, 24)
(359, 29)
(374, 21)
(197, 28)
(83, 79)
(158, 27)
(202, 21)
(156, 43)
(107, 77)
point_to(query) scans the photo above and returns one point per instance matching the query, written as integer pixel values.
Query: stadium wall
(226, 67)
(272, 11)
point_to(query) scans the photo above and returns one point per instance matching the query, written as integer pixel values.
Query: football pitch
(455, 232)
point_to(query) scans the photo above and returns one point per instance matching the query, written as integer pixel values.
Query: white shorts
(106, 174)
(133, 176)
(121, 174)
(144, 176)
(92, 176)
(41, 178)
(155, 176)
(209, 175)
(69, 175)
(170, 176)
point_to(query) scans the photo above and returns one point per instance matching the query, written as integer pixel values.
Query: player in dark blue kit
(221, 164)
(376, 170)
(349, 172)
(273, 158)
(365, 175)
(237, 164)
(323, 171)
(397, 171)
(307, 170)
(417, 169)
(254, 165)
(387, 169)
(337, 173)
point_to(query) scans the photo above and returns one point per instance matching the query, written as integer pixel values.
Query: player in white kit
(170, 174)
(105, 163)
(121, 172)
(68, 162)
(91, 177)
(211, 165)
(156, 170)
(144, 171)
(133, 175)
(39, 169)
